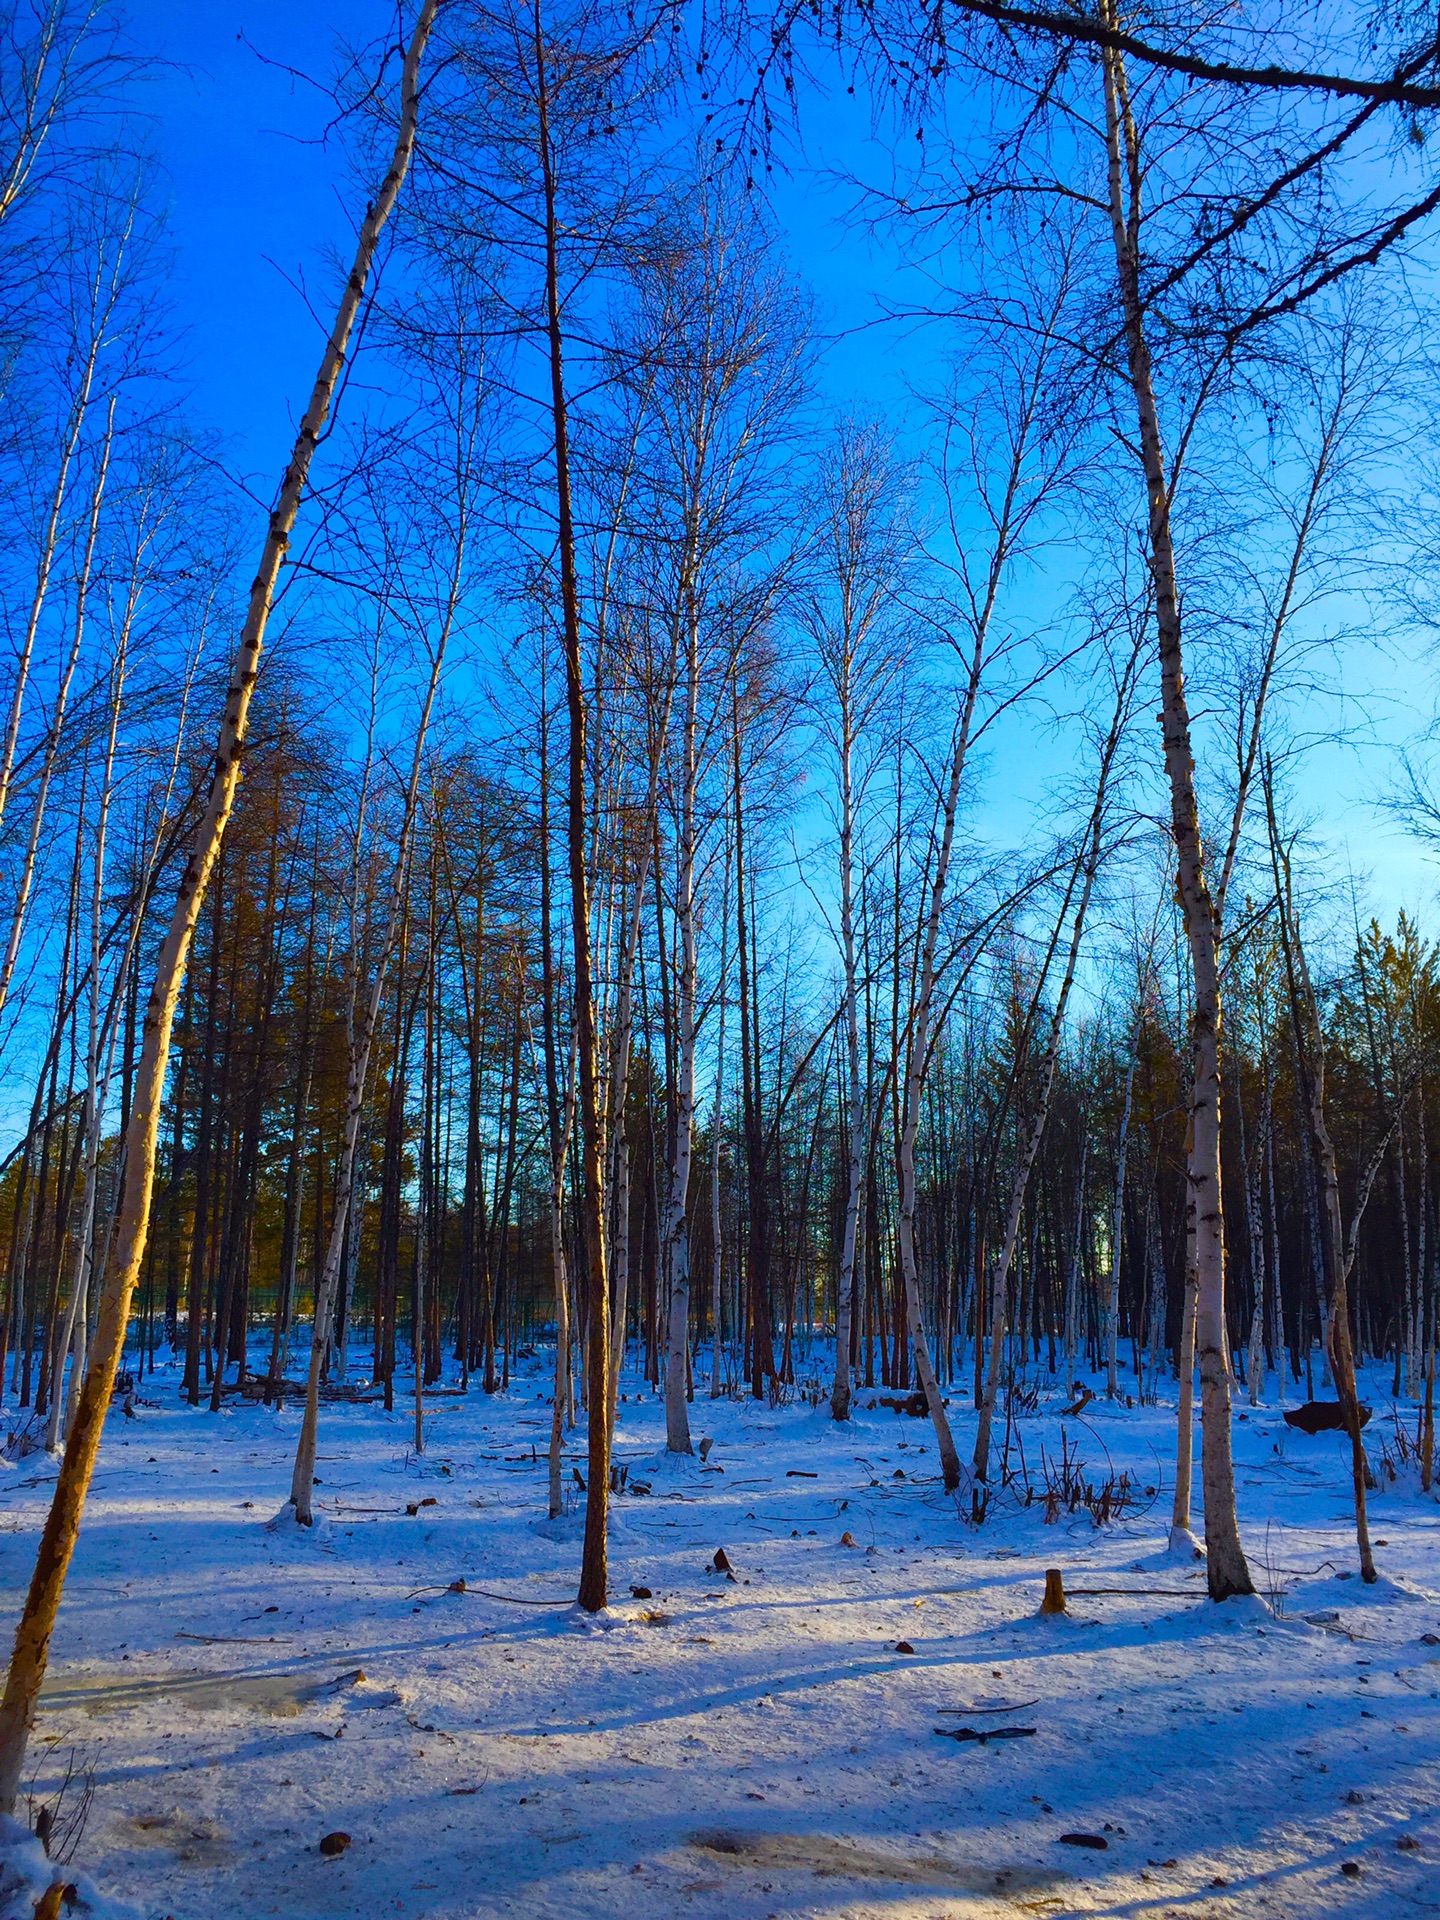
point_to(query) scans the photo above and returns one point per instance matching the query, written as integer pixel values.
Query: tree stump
(1054, 1601)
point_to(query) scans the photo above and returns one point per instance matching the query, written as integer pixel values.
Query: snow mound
(1246, 1610)
(661, 1467)
(1182, 1545)
(564, 1526)
(1347, 1589)
(26, 1875)
(287, 1527)
(609, 1619)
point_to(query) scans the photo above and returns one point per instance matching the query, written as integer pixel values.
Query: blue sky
(256, 197)
(259, 198)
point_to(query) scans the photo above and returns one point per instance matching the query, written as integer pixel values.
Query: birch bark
(855, 1101)
(1227, 1570)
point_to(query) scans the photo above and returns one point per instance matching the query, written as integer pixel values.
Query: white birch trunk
(1227, 1570)
(77, 1318)
(45, 567)
(717, 1248)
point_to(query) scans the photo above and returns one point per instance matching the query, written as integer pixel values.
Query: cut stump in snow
(1054, 1601)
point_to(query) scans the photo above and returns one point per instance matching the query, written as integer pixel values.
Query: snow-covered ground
(756, 1747)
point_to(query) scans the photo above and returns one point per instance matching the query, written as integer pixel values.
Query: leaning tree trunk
(56, 728)
(1227, 1570)
(62, 1527)
(49, 551)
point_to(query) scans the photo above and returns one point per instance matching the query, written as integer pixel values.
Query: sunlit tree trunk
(57, 1544)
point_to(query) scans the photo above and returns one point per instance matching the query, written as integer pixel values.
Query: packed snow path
(737, 1748)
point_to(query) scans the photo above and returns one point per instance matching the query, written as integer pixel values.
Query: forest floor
(762, 1746)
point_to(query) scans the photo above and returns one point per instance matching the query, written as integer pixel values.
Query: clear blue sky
(256, 196)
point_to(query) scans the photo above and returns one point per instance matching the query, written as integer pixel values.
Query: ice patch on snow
(831, 1858)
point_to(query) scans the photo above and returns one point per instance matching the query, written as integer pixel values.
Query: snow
(748, 1748)
(26, 1875)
